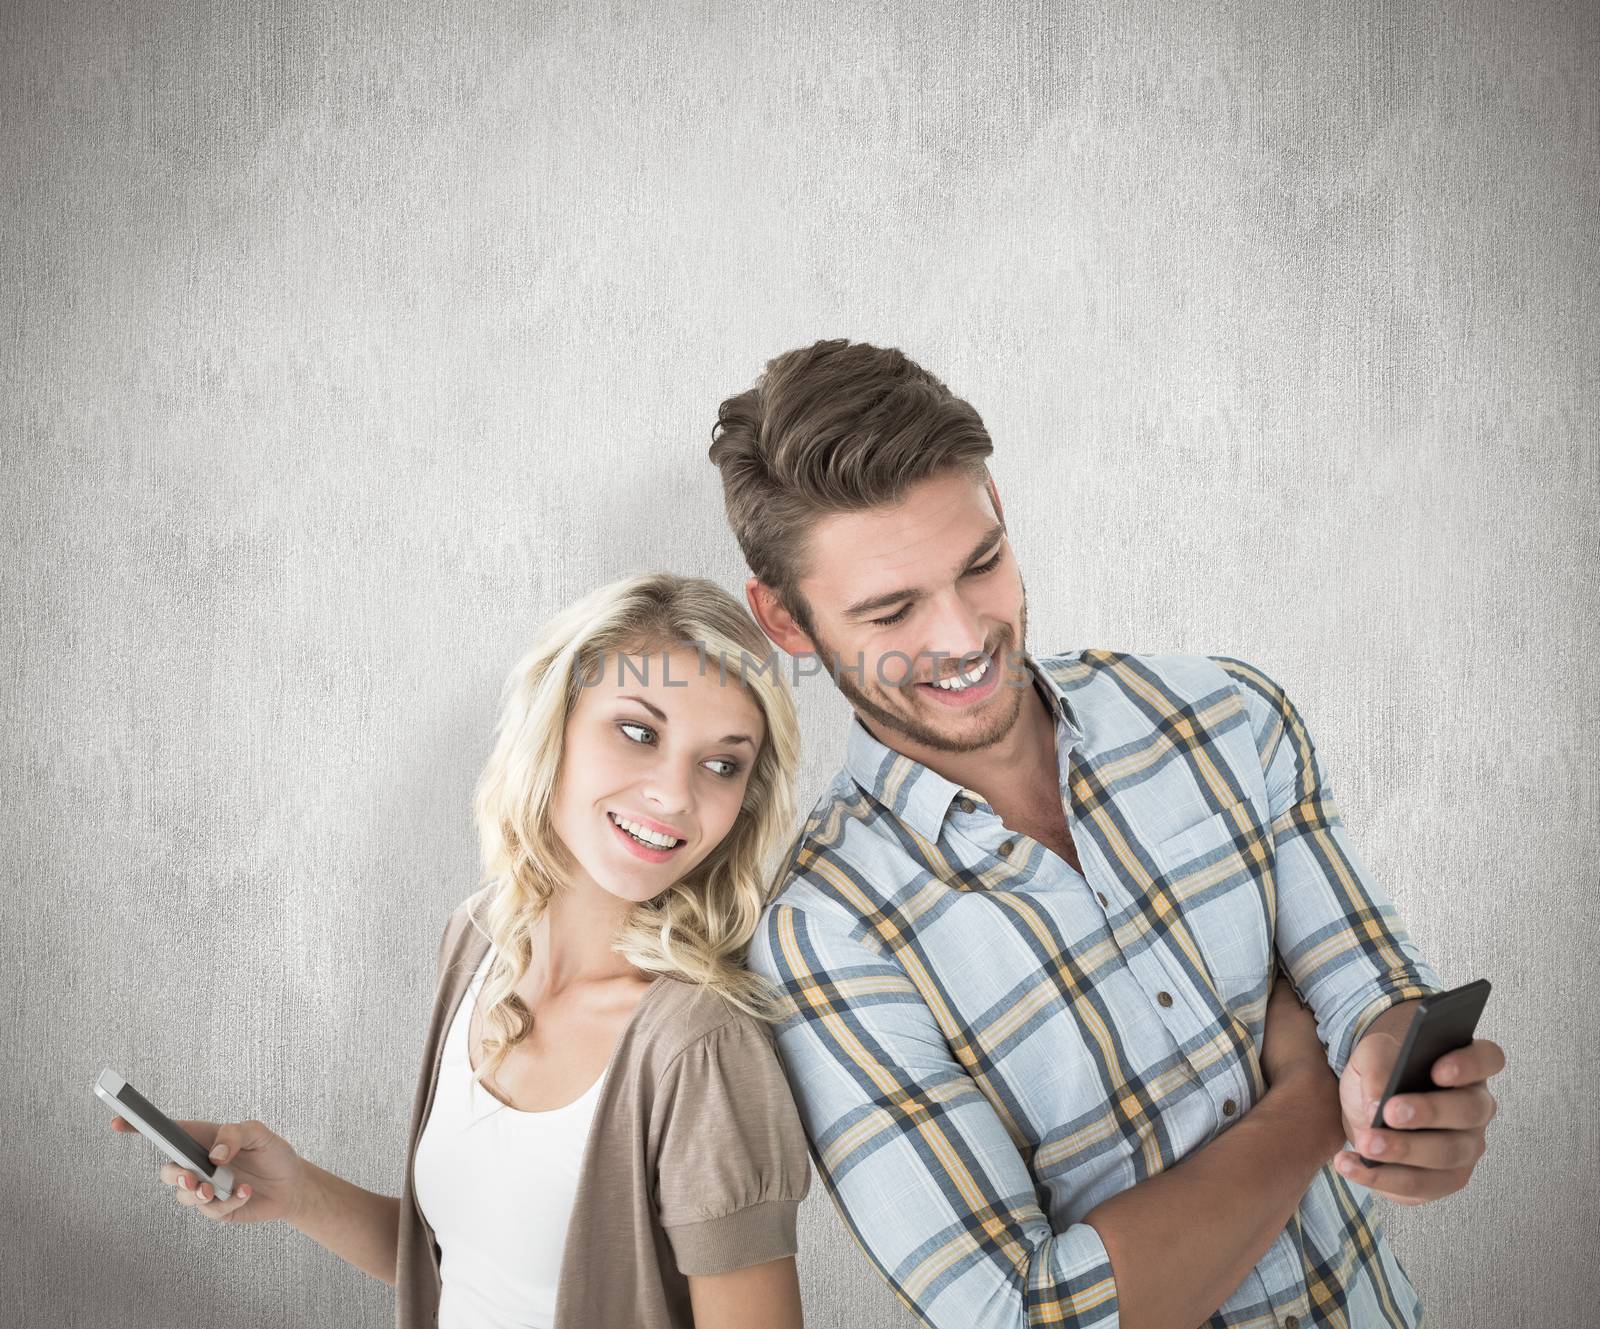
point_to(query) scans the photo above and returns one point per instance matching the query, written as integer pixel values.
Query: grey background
(344, 343)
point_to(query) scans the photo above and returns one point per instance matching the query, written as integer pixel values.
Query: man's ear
(775, 620)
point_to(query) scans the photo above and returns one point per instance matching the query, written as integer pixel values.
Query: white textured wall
(343, 343)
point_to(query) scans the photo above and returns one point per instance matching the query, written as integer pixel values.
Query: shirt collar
(918, 795)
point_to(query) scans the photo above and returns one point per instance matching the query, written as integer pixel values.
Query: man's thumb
(1369, 1064)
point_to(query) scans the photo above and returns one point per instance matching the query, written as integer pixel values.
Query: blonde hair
(699, 928)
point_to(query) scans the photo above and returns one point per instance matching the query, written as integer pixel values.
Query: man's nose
(958, 630)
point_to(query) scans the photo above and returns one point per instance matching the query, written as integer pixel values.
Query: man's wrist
(1393, 1020)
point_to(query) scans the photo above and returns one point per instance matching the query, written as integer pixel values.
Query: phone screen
(169, 1130)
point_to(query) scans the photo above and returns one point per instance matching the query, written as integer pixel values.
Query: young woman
(601, 1133)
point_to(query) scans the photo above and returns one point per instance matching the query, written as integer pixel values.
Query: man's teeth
(639, 832)
(965, 680)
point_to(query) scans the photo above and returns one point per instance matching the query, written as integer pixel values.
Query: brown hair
(836, 426)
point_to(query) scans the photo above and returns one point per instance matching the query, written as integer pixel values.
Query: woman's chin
(633, 889)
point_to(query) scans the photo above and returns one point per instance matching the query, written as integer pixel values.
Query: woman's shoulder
(686, 1015)
(471, 909)
(466, 913)
(462, 928)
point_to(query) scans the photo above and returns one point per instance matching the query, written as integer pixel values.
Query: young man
(1031, 929)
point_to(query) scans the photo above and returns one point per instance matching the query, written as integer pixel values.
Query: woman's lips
(649, 853)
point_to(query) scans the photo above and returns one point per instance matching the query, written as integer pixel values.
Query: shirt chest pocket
(1216, 875)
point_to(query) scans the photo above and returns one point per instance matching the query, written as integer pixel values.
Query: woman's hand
(269, 1178)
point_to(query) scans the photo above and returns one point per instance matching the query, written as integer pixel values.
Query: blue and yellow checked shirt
(985, 1044)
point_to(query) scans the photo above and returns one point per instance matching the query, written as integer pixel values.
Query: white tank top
(497, 1186)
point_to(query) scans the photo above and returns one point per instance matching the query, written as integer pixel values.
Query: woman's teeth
(966, 680)
(643, 836)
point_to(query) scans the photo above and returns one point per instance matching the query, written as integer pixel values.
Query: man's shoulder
(843, 818)
(1096, 668)
(1110, 691)
(844, 841)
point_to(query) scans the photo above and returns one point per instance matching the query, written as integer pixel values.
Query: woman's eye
(733, 767)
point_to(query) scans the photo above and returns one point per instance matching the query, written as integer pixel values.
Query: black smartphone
(1441, 1023)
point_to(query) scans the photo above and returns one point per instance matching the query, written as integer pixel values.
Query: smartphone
(1441, 1023)
(167, 1136)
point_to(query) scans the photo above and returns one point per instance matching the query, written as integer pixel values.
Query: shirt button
(1005, 849)
(967, 805)
(1292, 1322)
(1100, 896)
(1165, 998)
(1229, 1107)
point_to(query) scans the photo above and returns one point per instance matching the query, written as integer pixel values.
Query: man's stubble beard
(910, 726)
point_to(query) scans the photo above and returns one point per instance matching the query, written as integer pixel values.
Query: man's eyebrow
(912, 593)
(662, 716)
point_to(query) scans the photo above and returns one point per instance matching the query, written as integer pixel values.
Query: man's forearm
(360, 1226)
(1181, 1242)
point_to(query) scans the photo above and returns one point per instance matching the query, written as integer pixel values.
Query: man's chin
(945, 729)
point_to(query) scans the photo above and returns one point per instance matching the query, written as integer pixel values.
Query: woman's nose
(667, 789)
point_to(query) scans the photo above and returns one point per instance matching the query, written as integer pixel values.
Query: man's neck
(1008, 773)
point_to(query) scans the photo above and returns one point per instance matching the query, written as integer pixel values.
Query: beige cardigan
(695, 1163)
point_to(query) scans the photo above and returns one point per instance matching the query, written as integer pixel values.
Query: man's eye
(991, 565)
(978, 571)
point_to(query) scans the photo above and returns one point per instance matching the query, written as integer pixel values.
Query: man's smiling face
(903, 594)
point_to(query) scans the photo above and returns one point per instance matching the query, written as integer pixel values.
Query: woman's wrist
(360, 1226)
(307, 1197)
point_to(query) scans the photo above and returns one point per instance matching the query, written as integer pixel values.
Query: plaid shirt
(985, 1044)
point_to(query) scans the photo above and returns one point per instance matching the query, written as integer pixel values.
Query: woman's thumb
(231, 1138)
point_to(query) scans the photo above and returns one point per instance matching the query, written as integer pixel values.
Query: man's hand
(1430, 1142)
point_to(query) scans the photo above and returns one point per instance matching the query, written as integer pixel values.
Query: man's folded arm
(935, 1190)
(1338, 933)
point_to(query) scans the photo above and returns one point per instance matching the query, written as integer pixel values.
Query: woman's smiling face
(664, 741)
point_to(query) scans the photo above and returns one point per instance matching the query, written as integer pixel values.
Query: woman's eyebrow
(662, 716)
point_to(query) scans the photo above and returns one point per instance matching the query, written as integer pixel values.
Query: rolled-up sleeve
(1338, 933)
(918, 1163)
